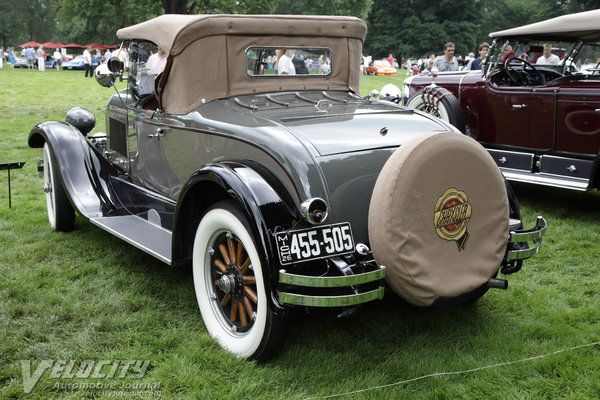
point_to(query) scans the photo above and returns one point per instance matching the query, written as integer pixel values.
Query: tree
(85, 21)
(417, 27)
(356, 8)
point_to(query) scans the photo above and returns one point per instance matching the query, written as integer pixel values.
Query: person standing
(547, 57)
(483, 50)
(448, 61)
(39, 55)
(30, 56)
(87, 62)
(157, 62)
(285, 66)
(1, 57)
(12, 58)
(57, 59)
(107, 55)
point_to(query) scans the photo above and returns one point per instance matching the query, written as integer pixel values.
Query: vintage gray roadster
(284, 192)
(538, 114)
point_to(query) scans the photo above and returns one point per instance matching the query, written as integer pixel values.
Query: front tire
(230, 286)
(60, 211)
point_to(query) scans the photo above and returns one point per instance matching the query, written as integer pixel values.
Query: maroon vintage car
(537, 114)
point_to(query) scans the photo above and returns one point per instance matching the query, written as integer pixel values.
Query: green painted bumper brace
(329, 282)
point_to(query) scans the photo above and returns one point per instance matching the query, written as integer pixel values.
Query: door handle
(160, 132)
(519, 106)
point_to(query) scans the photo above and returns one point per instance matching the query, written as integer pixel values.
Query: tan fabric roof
(206, 54)
(580, 26)
(173, 32)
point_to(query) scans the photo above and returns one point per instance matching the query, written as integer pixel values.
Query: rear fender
(83, 172)
(269, 208)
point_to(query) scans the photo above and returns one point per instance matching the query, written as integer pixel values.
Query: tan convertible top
(173, 32)
(207, 54)
(580, 26)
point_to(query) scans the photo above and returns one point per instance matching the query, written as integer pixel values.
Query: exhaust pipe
(497, 283)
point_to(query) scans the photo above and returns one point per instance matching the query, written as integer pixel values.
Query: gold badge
(452, 214)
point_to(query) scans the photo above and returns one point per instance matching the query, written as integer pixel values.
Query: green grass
(87, 295)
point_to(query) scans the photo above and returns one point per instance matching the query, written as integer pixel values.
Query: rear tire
(230, 286)
(60, 211)
(440, 103)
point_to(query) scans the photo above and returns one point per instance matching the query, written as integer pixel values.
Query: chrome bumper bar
(305, 281)
(533, 235)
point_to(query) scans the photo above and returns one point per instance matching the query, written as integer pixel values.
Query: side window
(141, 75)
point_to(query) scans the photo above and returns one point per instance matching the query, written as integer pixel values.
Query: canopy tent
(30, 44)
(52, 45)
(73, 46)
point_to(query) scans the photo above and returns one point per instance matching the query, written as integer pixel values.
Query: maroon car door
(509, 111)
(578, 119)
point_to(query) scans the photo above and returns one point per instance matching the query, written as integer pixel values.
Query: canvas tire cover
(436, 193)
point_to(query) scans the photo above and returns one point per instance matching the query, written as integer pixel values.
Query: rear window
(288, 61)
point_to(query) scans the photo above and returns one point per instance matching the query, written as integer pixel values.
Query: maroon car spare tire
(439, 218)
(439, 102)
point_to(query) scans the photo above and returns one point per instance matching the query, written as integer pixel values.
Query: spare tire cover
(439, 217)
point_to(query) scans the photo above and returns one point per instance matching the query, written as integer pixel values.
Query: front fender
(84, 173)
(269, 207)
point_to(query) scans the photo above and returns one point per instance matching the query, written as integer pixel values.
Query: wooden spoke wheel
(230, 286)
(234, 282)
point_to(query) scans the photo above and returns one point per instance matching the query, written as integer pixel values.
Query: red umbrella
(73, 46)
(32, 44)
(49, 44)
(95, 46)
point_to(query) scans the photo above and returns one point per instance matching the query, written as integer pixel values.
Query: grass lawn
(86, 295)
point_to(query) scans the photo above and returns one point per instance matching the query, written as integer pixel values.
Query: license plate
(314, 243)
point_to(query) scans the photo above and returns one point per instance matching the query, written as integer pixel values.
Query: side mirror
(104, 76)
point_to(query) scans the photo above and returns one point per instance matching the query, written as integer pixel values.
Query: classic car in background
(78, 63)
(283, 192)
(540, 122)
(381, 67)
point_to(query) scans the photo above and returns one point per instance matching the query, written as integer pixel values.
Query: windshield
(567, 58)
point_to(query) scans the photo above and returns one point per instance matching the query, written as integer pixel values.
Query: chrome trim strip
(330, 301)
(546, 179)
(330, 281)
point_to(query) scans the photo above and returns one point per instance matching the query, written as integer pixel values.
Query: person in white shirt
(87, 61)
(57, 59)
(548, 58)
(157, 61)
(285, 66)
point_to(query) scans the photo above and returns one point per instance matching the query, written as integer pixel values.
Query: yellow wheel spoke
(231, 248)
(219, 264)
(225, 300)
(223, 250)
(251, 293)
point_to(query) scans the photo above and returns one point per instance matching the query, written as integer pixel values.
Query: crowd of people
(448, 61)
(37, 58)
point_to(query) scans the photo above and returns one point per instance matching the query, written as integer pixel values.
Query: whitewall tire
(60, 211)
(230, 286)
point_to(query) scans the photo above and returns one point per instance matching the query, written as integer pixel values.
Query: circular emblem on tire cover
(451, 217)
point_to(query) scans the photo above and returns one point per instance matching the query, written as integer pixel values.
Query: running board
(137, 231)
(545, 179)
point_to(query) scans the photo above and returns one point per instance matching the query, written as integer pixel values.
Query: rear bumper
(322, 283)
(523, 244)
